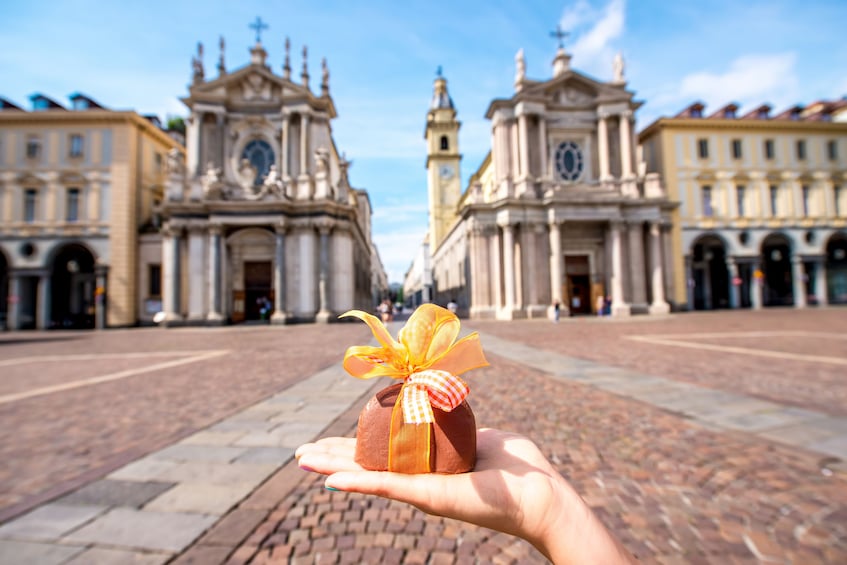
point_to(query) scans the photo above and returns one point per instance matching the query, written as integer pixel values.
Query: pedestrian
(557, 311)
(600, 304)
(452, 305)
(513, 489)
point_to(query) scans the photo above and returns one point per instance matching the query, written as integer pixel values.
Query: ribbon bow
(425, 357)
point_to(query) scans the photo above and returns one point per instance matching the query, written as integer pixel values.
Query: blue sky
(382, 58)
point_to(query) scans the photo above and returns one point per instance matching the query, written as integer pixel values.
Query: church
(259, 221)
(559, 211)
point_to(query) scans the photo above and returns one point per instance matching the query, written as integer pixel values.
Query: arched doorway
(776, 265)
(836, 269)
(72, 286)
(711, 278)
(4, 291)
(250, 254)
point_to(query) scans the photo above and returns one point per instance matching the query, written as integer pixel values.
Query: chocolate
(453, 436)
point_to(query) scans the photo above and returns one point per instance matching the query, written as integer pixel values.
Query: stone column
(820, 282)
(556, 265)
(542, 146)
(734, 289)
(283, 148)
(474, 234)
(324, 313)
(509, 267)
(170, 274)
(101, 296)
(657, 276)
(304, 144)
(221, 139)
(626, 145)
(42, 308)
(799, 286)
(523, 146)
(603, 147)
(637, 281)
(619, 306)
(496, 270)
(516, 158)
(279, 316)
(214, 315)
(14, 301)
(196, 235)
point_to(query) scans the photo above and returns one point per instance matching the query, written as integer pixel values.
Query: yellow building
(762, 219)
(77, 186)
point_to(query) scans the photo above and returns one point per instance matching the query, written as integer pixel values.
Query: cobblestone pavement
(52, 442)
(674, 489)
(794, 378)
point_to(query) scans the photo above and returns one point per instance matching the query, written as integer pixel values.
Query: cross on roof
(438, 71)
(559, 34)
(258, 25)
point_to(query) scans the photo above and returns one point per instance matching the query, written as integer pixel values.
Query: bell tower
(442, 162)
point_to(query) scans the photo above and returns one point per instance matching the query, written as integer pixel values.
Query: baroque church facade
(558, 211)
(259, 221)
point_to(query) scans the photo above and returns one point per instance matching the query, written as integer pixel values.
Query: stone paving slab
(19, 552)
(50, 521)
(201, 498)
(110, 492)
(143, 529)
(104, 556)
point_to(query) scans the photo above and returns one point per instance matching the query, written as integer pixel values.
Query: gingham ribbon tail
(430, 388)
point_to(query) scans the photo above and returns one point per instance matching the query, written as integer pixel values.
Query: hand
(512, 489)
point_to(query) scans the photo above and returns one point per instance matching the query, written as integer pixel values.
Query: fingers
(328, 455)
(423, 491)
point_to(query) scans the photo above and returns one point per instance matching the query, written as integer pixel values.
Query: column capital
(215, 229)
(626, 114)
(324, 226)
(281, 227)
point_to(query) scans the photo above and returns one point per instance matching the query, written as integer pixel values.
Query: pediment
(575, 89)
(253, 83)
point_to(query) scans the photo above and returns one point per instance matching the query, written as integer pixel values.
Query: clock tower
(442, 163)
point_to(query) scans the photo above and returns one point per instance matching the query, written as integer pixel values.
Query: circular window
(569, 161)
(261, 156)
(27, 249)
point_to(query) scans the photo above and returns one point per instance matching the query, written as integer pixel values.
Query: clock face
(446, 171)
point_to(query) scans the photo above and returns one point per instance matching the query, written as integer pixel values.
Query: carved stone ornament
(176, 162)
(211, 182)
(256, 87)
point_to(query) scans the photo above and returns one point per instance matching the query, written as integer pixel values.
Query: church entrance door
(258, 292)
(577, 270)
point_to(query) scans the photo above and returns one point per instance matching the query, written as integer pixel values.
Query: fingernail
(307, 469)
(333, 489)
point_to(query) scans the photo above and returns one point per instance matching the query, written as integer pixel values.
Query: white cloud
(398, 248)
(596, 31)
(750, 80)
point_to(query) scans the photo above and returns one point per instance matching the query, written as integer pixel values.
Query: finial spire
(221, 64)
(258, 25)
(304, 75)
(197, 65)
(286, 67)
(520, 69)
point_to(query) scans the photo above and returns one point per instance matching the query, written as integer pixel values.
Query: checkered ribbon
(426, 389)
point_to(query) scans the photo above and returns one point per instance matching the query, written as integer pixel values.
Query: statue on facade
(197, 65)
(221, 64)
(246, 175)
(211, 182)
(520, 67)
(618, 67)
(273, 184)
(175, 163)
(324, 76)
(323, 188)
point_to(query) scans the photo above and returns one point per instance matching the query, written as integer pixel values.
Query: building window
(801, 149)
(261, 157)
(703, 148)
(158, 161)
(33, 148)
(708, 211)
(736, 149)
(740, 194)
(569, 161)
(769, 149)
(837, 196)
(805, 193)
(154, 285)
(832, 149)
(445, 143)
(774, 192)
(75, 145)
(30, 202)
(72, 208)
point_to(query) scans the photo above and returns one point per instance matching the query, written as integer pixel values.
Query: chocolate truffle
(453, 437)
